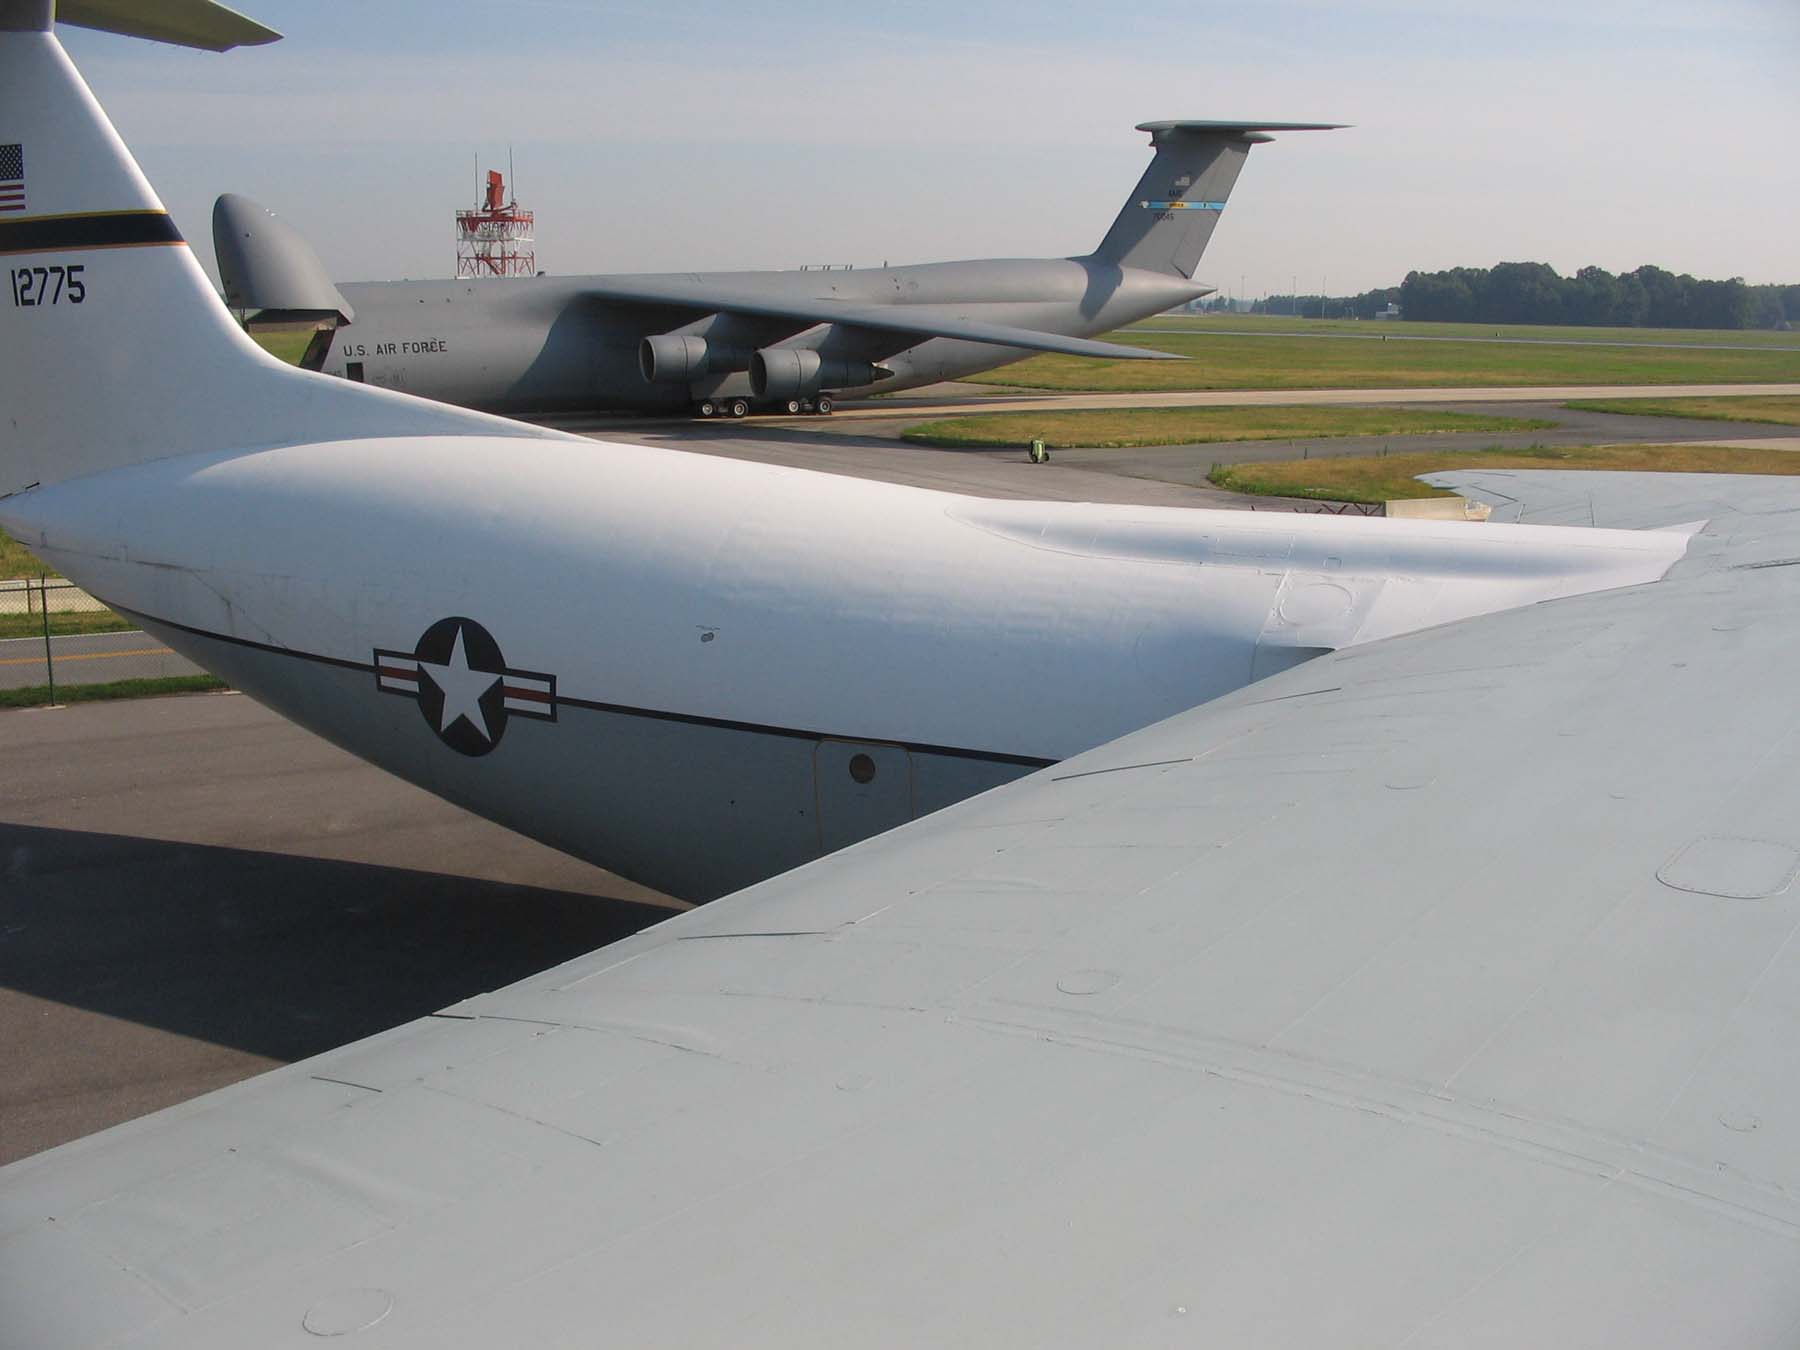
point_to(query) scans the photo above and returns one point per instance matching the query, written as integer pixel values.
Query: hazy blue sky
(690, 134)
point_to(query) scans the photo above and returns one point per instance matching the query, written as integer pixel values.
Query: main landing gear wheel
(708, 408)
(823, 406)
(793, 406)
(739, 407)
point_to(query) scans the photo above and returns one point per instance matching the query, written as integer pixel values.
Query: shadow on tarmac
(268, 953)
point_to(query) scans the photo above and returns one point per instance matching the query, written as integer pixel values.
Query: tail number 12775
(32, 286)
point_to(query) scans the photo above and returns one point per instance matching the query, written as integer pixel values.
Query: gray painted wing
(920, 320)
(1627, 501)
(1442, 993)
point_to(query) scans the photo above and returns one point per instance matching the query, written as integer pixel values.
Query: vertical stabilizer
(1166, 223)
(114, 347)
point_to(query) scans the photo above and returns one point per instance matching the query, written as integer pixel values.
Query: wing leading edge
(922, 321)
(1438, 993)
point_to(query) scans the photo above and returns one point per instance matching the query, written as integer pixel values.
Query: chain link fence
(54, 635)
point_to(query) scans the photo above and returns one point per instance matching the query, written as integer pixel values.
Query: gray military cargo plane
(730, 342)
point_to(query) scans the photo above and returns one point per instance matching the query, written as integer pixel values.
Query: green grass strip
(1382, 478)
(1774, 409)
(39, 694)
(1277, 324)
(64, 624)
(17, 561)
(1303, 362)
(285, 346)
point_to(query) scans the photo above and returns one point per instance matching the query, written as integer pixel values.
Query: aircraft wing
(1443, 992)
(922, 321)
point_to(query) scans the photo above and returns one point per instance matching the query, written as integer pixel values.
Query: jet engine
(668, 359)
(798, 372)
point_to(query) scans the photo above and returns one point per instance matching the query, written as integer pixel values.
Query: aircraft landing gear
(823, 405)
(794, 406)
(708, 408)
(738, 407)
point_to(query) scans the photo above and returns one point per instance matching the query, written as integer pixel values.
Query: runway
(1011, 401)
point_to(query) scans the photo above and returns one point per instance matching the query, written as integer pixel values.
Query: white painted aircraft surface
(1390, 947)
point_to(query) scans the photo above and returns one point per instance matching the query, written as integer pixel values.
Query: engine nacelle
(799, 372)
(668, 359)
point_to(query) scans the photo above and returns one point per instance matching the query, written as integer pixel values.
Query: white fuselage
(722, 638)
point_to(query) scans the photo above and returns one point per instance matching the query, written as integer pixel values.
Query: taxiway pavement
(1012, 400)
(90, 658)
(193, 889)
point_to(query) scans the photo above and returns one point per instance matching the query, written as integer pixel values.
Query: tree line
(1648, 297)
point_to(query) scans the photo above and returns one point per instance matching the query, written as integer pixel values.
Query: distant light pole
(1294, 296)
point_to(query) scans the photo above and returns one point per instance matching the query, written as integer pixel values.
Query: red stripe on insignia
(533, 695)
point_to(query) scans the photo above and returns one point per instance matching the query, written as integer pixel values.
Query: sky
(687, 135)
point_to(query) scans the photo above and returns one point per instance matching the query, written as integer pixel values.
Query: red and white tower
(488, 238)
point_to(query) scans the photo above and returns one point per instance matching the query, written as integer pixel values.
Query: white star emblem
(462, 688)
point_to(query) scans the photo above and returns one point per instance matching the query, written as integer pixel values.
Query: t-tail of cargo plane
(1165, 224)
(733, 341)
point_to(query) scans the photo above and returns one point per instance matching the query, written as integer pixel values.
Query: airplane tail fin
(1168, 219)
(114, 347)
(266, 264)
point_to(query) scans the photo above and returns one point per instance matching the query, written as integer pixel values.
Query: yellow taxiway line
(83, 656)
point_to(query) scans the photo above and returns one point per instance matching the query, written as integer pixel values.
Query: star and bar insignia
(463, 686)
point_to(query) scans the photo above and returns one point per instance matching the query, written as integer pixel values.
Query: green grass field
(63, 624)
(1773, 408)
(37, 695)
(1268, 323)
(1302, 362)
(290, 347)
(1188, 426)
(16, 560)
(1382, 478)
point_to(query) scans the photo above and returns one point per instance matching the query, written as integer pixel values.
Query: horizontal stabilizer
(924, 321)
(1236, 128)
(185, 23)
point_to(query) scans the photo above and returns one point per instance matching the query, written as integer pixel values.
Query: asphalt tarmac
(90, 658)
(941, 400)
(193, 889)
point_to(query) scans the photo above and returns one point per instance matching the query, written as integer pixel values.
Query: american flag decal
(12, 177)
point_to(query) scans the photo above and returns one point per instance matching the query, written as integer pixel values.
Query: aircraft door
(862, 789)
